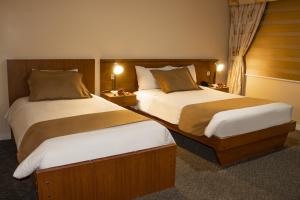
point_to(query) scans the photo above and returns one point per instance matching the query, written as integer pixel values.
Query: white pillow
(145, 78)
(193, 72)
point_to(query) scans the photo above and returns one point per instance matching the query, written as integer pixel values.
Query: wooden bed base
(124, 176)
(238, 148)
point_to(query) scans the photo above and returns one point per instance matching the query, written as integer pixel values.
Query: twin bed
(121, 161)
(234, 133)
(128, 159)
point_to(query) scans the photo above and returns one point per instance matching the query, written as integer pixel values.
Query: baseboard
(298, 127)
(5, 136)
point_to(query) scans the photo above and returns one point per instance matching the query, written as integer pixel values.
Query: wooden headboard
(128, 81)
(18, 72)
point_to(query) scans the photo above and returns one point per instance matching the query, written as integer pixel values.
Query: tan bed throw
(195, 117)
(42, 131)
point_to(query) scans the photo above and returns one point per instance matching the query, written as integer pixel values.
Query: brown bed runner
(42, 131)
(195, 117)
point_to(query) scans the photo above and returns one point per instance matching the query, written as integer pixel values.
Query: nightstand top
(111, 95)
(223, 89)
(129, 99)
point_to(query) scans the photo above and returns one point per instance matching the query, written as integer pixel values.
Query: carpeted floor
(274, 176)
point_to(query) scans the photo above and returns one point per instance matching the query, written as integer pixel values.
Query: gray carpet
(274, 176)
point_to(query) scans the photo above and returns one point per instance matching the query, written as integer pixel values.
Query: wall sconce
(219, 68)
(117, 70)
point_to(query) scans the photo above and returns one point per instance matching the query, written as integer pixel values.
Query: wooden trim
(238, 148)
(124, 176)
(18, 72)
(276, 79)
(128, 80)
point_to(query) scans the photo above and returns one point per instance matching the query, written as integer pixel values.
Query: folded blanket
(42, 131)
(195, 117)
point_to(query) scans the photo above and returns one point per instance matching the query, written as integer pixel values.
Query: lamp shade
(220, 67)
(118, 69)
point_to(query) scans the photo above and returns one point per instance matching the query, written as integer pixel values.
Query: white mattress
(227, 123)
(82, 146)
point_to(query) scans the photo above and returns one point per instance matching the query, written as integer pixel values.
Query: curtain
(244, 22)
(240, 2)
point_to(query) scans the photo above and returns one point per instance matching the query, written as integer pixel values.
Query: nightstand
(222, 89)
(122, 100)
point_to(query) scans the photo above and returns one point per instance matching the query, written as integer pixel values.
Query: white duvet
(82, 146)
(223, 124)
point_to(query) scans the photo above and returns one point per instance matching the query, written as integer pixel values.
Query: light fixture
(117, 70)
(220, 67)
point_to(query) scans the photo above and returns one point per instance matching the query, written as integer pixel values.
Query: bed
(119, 162)
(235, 135)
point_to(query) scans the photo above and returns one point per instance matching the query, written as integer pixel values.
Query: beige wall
(109, 29)
(278, 90)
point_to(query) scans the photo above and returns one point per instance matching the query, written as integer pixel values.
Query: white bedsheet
(82, 146)
(227, 123)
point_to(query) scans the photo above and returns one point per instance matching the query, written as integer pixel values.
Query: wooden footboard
(241, 147)
(124, 176)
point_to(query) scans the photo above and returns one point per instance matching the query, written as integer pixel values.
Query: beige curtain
(244, 22)
(240, 2)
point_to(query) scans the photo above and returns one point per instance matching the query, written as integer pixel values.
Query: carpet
(274, 176)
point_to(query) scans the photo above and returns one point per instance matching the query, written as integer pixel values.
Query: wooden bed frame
(123, 176)
(228, 150)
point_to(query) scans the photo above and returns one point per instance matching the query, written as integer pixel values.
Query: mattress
(223, 124)
(82, 146)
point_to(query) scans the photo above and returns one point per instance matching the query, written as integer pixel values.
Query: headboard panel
(128, 81)
(18, 72)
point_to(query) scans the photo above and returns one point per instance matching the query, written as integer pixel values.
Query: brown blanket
(195, 117)
(42, 131)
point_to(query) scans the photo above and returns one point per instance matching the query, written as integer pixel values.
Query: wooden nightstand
(223, 89)
(122, 100)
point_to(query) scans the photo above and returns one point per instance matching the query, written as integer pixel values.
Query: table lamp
(117, 70)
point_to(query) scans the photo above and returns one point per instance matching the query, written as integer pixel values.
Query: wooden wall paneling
(275, 50)
(18, 72)
(128, 80)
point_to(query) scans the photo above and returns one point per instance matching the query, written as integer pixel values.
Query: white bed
(82, 146)
(227, 123)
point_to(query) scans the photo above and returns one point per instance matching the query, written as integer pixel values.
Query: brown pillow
(54, 85)
(175, 80)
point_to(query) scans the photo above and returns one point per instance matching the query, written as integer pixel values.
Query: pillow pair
(146, 81)
(54, 85)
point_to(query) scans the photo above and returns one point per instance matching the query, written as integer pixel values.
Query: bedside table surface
(111, 95)
(121, 100)
(223, 89)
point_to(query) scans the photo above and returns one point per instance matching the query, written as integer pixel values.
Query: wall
(110, 29)
(278, 90)
(275, 53)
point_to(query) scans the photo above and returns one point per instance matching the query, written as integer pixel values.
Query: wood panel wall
(275, 51)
